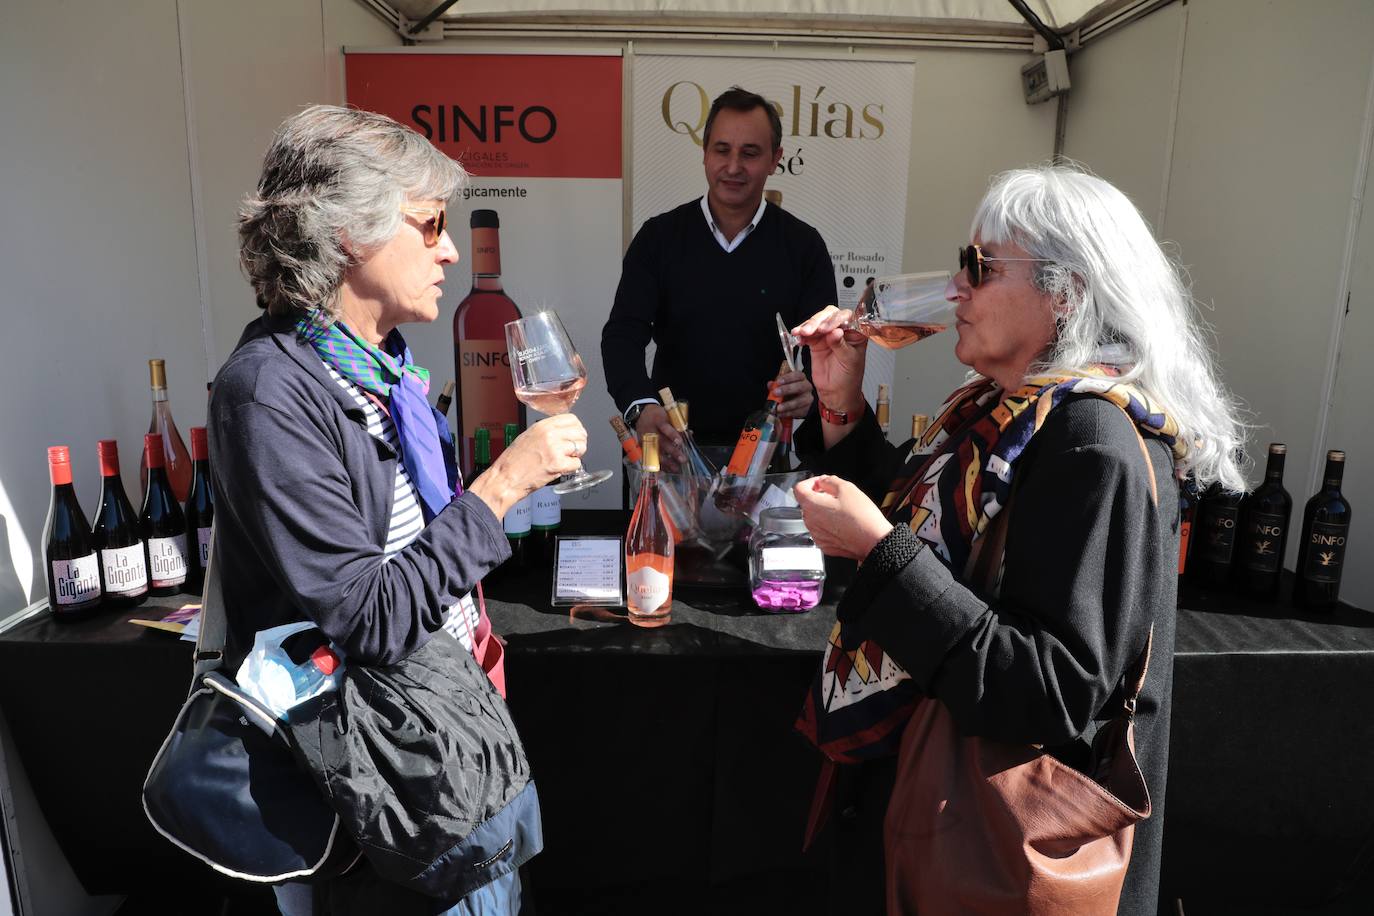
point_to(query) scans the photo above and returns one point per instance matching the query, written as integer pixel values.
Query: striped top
(407, 521)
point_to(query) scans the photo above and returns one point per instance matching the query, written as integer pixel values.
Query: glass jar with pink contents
(786, 568)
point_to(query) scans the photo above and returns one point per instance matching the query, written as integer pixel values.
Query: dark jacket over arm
(1090, 565)
(304, 498)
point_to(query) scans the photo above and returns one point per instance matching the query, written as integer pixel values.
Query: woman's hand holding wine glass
(549, 376)
(544, 452)
(837, 363)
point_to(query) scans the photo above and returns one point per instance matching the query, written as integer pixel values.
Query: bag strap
(213, 626)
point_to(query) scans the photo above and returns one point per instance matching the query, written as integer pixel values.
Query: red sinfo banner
(502, 115)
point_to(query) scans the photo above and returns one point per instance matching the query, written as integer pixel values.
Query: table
(667, 755)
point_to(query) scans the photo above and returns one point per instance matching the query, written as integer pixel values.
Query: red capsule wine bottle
(1218, 515)
(1325, 530)
(1264, 530)
(1187, 517)
(72, 566)
(116, 536)
(200, 511)
(162, 525)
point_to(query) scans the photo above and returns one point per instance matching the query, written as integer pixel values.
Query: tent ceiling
(990, 16)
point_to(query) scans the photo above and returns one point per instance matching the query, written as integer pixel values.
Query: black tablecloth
(667, 755)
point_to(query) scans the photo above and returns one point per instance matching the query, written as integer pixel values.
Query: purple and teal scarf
(389, 373)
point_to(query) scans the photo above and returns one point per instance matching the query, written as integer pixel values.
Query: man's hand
(654, 419)
(842, 520)
(797, 395)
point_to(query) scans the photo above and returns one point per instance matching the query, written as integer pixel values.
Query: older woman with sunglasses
(339, 501)
(1091, 390)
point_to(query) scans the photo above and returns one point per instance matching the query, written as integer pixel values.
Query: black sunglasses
(972, 258)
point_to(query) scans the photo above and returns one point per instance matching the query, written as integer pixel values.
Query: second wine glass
(549, 376)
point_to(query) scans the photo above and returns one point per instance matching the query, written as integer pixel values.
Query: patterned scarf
(956, 480)
(390, 375)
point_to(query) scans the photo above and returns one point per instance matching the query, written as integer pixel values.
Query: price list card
(589, 570)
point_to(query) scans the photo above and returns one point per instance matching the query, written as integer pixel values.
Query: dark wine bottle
(1264, 530)
(123, 562)
(481, 454)
(1187, 516)
(1325, 529)
(517, 519)
(73, 568)
(445, 399)
(1218, 515)
(162, 525)
(200, 511)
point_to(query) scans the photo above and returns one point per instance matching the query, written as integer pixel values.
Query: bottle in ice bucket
(742, 479)
(786, 568)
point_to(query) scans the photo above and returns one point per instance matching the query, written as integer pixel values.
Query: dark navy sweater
(711, 313)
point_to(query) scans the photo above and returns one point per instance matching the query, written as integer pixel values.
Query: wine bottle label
(1325, 552)
(487, 396)
(203, 540)
(76, 581)
(809, 559)
(126, 573)
(548, 509)
(649, 589)
(742, 458)
(1220, 534)
(517, 520)
(167, 560)
(1263, 543)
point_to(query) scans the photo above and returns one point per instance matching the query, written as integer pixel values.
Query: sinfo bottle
(1264, 530)
(73, 568)
(649, 548)
(1215, 533)
(200, 511)
(175, 459)
(162, 525)
(742, 478)
(123, 562)
(1325, 529)
(628, 443)
(486, 395)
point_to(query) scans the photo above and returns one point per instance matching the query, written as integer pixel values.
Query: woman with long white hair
(1018, 561)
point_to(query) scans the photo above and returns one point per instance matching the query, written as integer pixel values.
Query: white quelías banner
(846, 138)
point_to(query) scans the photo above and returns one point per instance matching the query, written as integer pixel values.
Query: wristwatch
(632, 415)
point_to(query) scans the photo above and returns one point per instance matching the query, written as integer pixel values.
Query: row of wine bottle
(531, 524)
(125, 557)
(1239, 540)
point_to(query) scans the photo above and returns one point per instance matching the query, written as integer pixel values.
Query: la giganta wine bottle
(72, 565)
(162, 525)
(649, 548)
(1264, 530)
(176, 460)
(200, 511)
(486, 398)
(1325, 530)
(116, 535)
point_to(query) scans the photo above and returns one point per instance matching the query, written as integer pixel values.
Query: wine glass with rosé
(549, 376)
(896, 311)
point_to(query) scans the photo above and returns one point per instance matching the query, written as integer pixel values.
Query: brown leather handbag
(987, 827)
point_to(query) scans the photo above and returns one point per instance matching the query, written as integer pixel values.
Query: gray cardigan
(303, 503)
(1091, 563)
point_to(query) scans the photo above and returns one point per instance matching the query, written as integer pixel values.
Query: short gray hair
(332, 175)
(1112, 284)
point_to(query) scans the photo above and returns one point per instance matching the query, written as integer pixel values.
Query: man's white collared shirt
(731, 244)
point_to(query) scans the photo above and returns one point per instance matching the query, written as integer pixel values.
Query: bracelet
(834, 417)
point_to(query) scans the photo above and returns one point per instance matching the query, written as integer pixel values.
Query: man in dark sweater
(704, 281)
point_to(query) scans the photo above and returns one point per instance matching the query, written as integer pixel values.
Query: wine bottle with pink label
(649, 548)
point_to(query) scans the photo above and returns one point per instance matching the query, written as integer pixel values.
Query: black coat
(1091, 563)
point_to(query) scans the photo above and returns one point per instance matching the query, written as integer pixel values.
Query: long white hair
(1112, 284)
